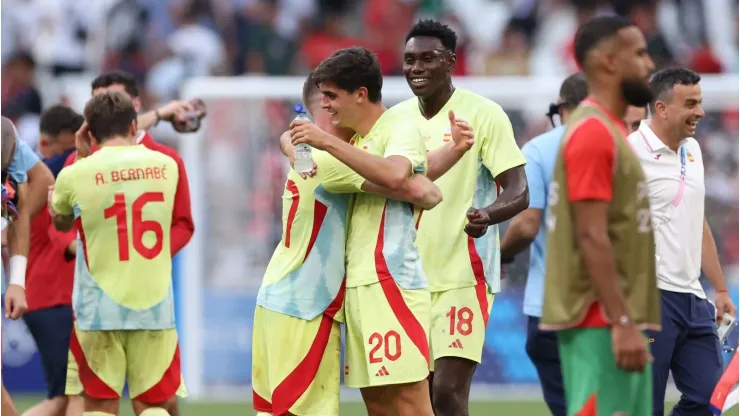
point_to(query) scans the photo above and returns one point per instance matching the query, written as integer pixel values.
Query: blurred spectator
(126, 38)
(19, 95)
(200, 49)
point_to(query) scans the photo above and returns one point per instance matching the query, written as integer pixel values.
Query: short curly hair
(351, 69)
(109, 114)
(434, 29)
(59, 119)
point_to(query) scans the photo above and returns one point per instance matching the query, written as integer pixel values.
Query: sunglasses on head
(554, 110)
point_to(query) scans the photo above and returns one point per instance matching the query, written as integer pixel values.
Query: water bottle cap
(298, 108)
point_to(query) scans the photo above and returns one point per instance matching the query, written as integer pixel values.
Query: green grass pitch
(347, 409)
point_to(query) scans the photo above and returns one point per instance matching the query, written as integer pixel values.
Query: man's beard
(636, 92)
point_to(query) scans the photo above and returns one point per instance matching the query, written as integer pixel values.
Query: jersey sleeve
(405, 140)
(499, 150)
(61, 199)
(536, 176)
(23, 160)
(335, 176)
(589, 162)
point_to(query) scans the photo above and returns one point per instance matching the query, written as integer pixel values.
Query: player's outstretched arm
(441, 160)
(418, 190)
(390, 172)
(166, 112)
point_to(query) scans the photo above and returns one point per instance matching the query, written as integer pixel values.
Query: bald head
(8, 142)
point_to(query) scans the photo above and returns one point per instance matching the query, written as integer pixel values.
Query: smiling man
(459, 253)
(671, 158)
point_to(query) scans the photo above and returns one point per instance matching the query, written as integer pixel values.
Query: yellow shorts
(102, 361)
(387, 335)
(459, 320)
(296, 364)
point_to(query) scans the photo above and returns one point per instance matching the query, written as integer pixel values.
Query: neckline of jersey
(619, 122)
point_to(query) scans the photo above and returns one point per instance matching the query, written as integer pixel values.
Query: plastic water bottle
(303, 162)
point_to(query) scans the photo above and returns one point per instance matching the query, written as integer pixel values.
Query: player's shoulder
(409, 105)
(588, 125)
(477, 104)
(166, 150)
(545, 142)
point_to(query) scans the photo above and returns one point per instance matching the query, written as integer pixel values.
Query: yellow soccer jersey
(306, 271)
(122, 199)
(380, 243)
(450, 257)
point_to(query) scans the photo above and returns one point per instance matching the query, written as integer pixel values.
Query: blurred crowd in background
(164, 42)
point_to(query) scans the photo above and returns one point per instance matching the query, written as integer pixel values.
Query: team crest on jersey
(366, 147)
(690, 156)
(447, 136)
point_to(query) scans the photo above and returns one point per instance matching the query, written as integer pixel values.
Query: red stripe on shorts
(292, 388)
(480, 279)
(393, 294)
(93, 386)
(260, 404)
(167, 386)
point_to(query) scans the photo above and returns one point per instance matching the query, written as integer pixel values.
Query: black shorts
(51, 328)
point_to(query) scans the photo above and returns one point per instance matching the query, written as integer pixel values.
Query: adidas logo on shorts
(456, 344)
(382, 372)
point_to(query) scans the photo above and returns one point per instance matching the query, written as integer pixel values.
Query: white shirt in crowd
(677, 210)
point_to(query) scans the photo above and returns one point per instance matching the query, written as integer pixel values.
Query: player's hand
(170, 110)
(723, 304)
(311, 174)
(462, 133)
(630, 348)
(15, 302)
(303, 131)
(83, 141)
(478, 222)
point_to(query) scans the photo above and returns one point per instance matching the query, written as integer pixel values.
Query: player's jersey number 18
(139, 226)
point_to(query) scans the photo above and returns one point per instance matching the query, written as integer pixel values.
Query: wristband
(17, 270)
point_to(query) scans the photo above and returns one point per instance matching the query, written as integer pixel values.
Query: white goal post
(529, 94)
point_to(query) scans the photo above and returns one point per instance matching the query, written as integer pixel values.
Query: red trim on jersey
(78, 224)
(335, 305)
(480, 279)
(589, 157)
(319, 213)
(292, 188)
(93, 386)
(260, 404)
(395, 299)
(589, 408)
(418, 220)
(167, 386)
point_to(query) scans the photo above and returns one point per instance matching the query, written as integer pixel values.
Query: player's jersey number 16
(139, 226)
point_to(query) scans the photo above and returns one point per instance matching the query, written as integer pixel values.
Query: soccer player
(529, 227)
(600, 289)
(27, 179)
(687, 346)
(633, 117)
(459, 253)
(121, 198)
(387, 302)
(51, 270)
(289, 322)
